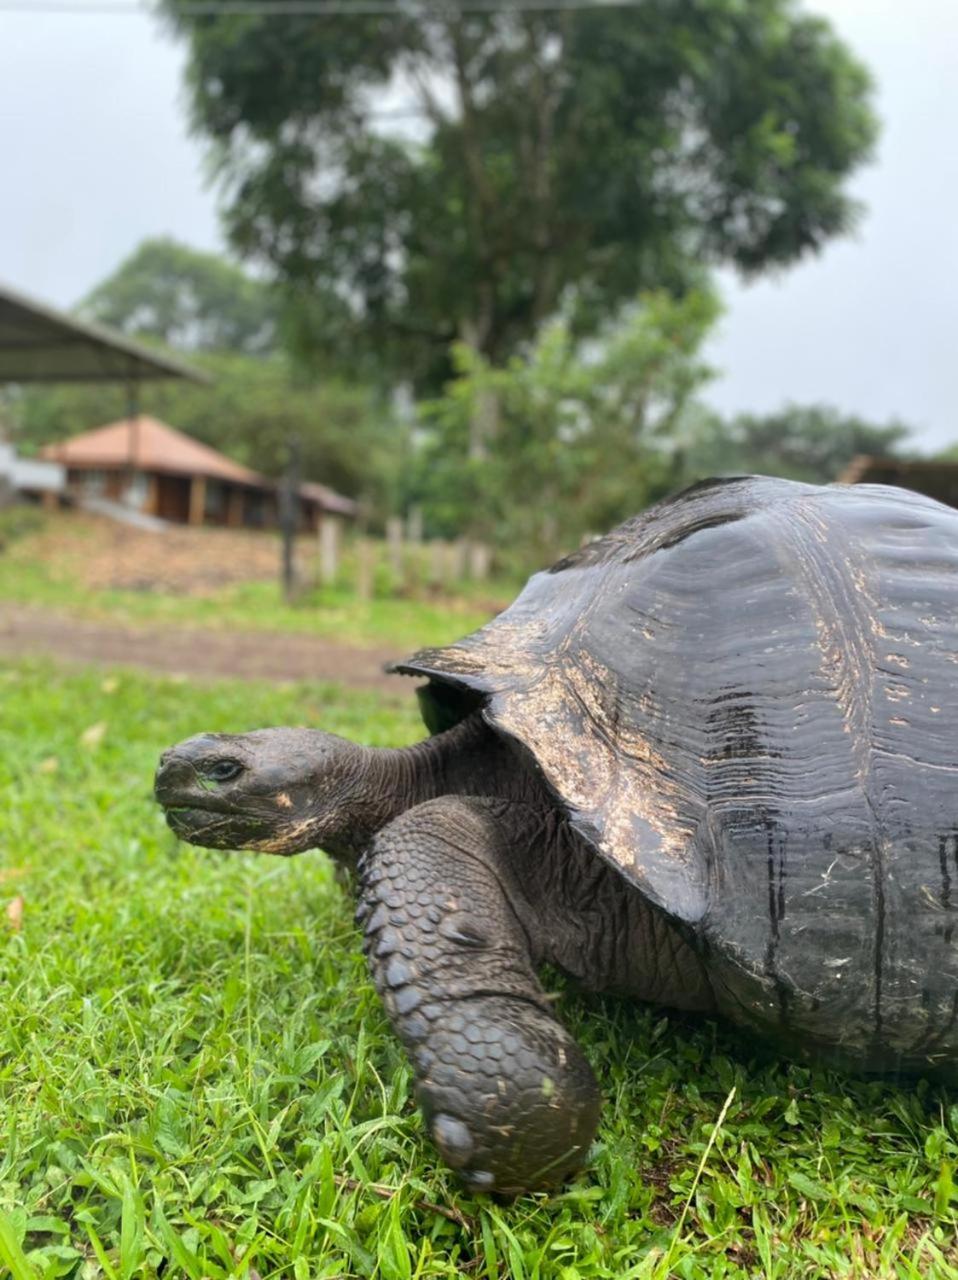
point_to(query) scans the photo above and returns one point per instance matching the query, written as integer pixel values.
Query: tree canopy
(592, 431)
(186, 299)
(585, 430)
(813, 443)
(574, 157)
(257, 403)
(589, 427)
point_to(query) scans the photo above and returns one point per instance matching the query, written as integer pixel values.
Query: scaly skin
(470, 877)
(508, 1096)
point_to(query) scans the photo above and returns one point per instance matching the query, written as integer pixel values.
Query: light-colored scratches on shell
(897, 692)
(509, 648)
(852, 615)
(843, 618)
(510, 641)
(930, 766)
(457, 660)
(601, 767)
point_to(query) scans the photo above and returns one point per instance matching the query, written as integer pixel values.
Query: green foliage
(257, 403)
(582, 434)
(186, 299)
(585, 155)
(347, 434)
(800, 442)
(196, 1076)
(18, 521)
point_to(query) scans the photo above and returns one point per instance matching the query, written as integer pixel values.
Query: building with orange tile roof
(156, 470)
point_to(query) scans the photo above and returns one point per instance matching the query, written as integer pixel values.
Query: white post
(459, 559)
(438, 560)
(479, 560)
(329, 529)
(394, 545)
(364, 568)
(414, 526)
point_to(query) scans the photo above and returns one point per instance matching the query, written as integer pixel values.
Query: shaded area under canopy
(39, 344)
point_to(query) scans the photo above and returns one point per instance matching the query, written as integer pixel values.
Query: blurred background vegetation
(473, 274)
(490, 303)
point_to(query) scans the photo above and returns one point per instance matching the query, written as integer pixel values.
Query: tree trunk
(289, 516)
(484, 419)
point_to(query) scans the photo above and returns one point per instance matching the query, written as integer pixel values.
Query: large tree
(188, 299)
(800, 442)
(585, 430)
(574, 156)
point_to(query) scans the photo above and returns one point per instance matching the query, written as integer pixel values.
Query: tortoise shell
(746, 699)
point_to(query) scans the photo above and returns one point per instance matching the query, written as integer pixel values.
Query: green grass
(196, 1079)
(331, 613)
(408, 619)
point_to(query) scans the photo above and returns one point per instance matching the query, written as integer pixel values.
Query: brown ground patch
(266, 655)
(102, 554)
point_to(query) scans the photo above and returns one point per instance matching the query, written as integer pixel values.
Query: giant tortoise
(709, 761)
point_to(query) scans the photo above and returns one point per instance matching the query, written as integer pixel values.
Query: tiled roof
(328, 499)
(149, 445)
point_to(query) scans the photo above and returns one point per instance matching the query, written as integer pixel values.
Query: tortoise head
(273, 790)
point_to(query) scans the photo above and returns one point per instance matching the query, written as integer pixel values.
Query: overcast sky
(97, 156)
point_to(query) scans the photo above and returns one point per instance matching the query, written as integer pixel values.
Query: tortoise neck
(468, 759)
(462, 760)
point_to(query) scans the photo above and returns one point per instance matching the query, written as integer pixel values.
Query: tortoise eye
(223, 770)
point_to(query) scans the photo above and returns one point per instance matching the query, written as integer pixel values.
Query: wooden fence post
(480, 558)
(438, 560)
(394, 546)
(364, 568)
(459, 559)
(329, 529)
(289, 516)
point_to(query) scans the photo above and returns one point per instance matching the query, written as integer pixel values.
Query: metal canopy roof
(38, 344)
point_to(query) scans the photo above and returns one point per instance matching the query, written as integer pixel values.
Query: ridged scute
(746, 698)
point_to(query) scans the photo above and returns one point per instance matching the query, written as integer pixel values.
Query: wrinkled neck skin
(467, 760)
(578, 912)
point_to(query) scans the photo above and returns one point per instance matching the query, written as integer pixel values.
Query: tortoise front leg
(507, 1094)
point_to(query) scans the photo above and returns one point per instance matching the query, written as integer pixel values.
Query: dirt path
(264, 655)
